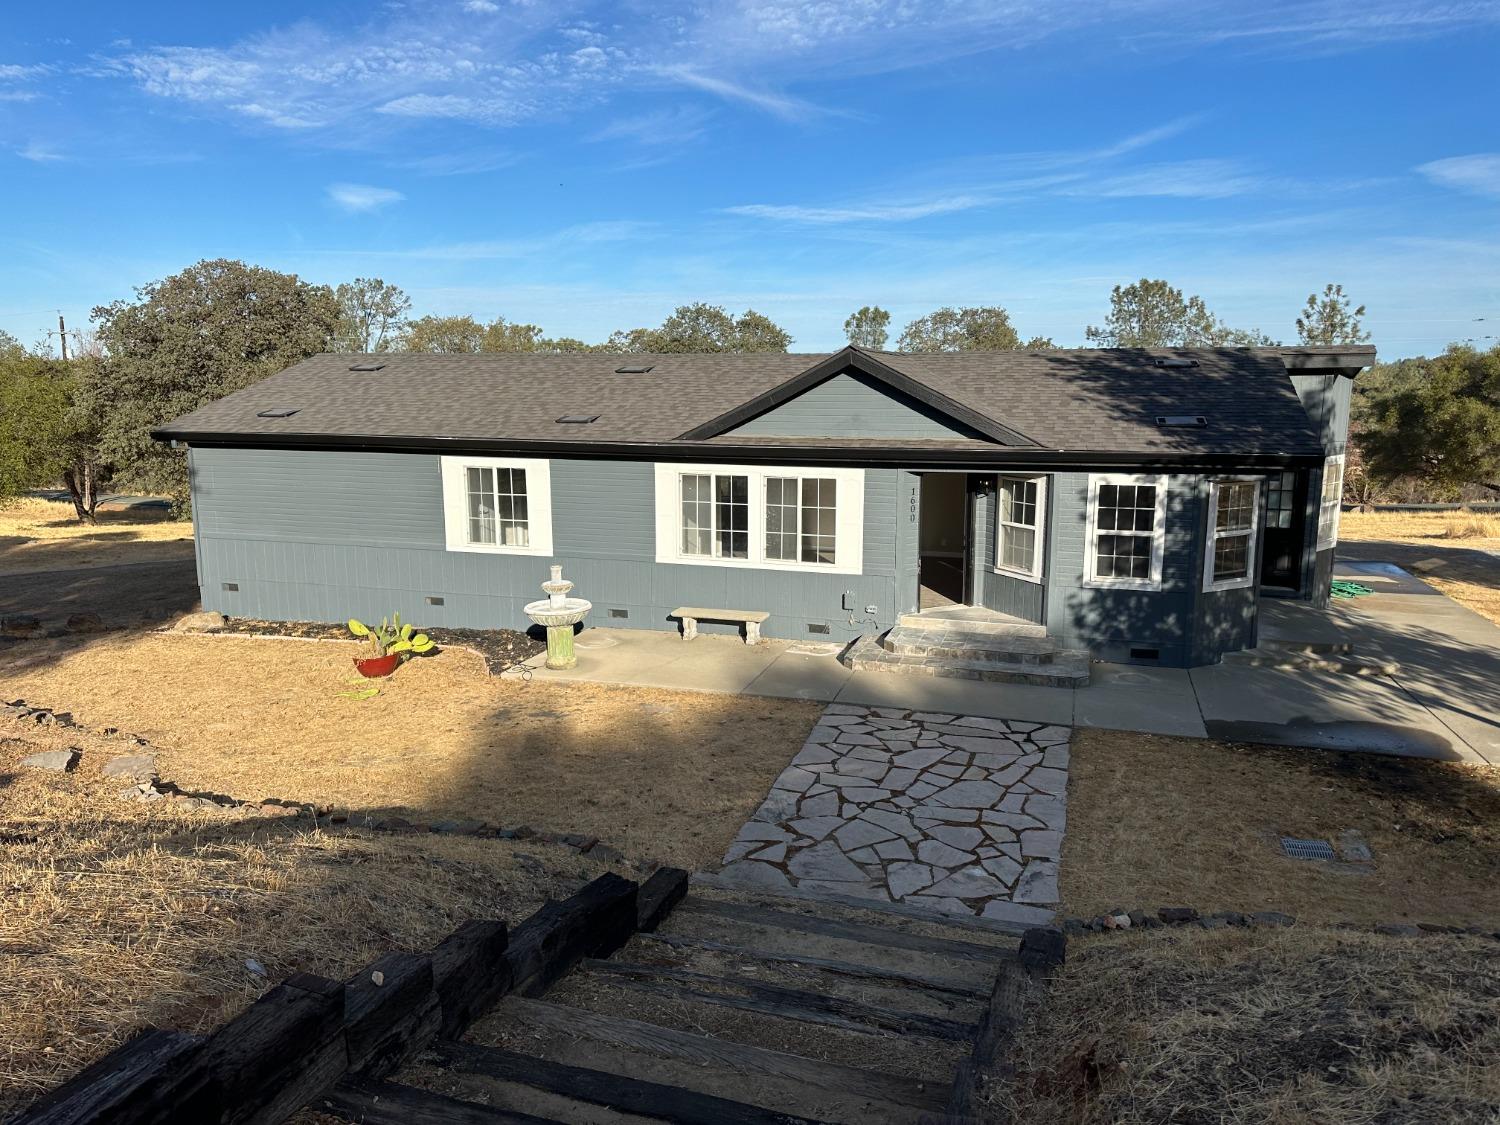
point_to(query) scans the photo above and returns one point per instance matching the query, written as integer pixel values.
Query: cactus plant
(391, 637)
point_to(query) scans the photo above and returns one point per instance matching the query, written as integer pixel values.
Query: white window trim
(849, 527)
(1158, 533)
(538, 504)
(1038, 558)
(1210, 583)
(1330, 513)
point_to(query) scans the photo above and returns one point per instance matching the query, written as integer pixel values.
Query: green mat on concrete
(1343, 588)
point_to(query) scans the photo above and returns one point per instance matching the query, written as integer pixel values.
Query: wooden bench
(750, 618)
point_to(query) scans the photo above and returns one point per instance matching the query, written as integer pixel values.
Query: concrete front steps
(975, 646)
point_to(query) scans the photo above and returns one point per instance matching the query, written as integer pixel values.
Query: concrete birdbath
(559, 613)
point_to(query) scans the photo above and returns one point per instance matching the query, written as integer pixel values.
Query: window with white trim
(499, 504)
(772, 517)
(1331, 505)
(1021, 519)
(1233, 524)
(1127, 519)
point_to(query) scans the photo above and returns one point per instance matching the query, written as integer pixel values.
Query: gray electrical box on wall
(848, 599)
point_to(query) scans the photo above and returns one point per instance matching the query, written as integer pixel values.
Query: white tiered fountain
(559, 613)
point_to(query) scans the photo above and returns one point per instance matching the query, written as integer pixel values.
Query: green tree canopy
(985, 329)
(47, 435)
(371, 315)
(1152, 314)
(1437, 420)
(447, 335)
(705, 328)
(214, 328)
(10, 347)
(867, 328)
(1328, 320)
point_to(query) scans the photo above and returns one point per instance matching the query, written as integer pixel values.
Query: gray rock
(1042, 843)
(1056, 758)
(941, 904)
(778, 805)
(1047, 780)
(919, 759)
(141, 767)
(753, 873)
(864, 855)
(1009, 775)
(971, 882)
(946, 815)
(755, 830)
(924, 789)
(796, 779)
(942, 855)
(460, 826)
(858, 739)
(981, 745)
(825, 804)
(817, 827)
(776, 853)
(1021, 913)
(1003, 868)
(814, 756)
(903, 879)
(956, 836)
(1038, 883)
(1000, 833)
(982, 723)
(893, 849)
(860, 834)
(824, 861)
(1012, 820)
(861, 768)
(52, 760)
(1049, 735)
(970, 795)
(932, 717)
(84, 623)
(899, 823)
(897, 780)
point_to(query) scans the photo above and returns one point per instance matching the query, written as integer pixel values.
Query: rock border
(1181, 916)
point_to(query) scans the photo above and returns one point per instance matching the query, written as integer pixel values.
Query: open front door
(1286, 513)
(943, 546)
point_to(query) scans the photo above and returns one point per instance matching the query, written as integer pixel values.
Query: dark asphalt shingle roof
(1085, 400)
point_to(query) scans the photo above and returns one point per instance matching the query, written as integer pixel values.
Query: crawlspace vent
(1306, 849)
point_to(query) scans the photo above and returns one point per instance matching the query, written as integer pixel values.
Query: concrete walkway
(1444, 702)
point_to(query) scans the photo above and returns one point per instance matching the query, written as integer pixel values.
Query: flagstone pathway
(955, 813)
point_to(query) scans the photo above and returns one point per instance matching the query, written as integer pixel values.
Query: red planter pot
(375, 667)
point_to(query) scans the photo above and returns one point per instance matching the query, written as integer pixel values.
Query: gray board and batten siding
(295, 535)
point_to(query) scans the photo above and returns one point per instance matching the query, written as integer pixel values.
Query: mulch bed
(501, 648)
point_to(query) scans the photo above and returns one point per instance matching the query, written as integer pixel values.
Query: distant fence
(1478, 506)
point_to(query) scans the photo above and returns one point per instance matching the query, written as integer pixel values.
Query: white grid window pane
(819, 521)
(1231, 557)
(781, 518)
(1126, 520)
(480, 485)
(510, 506)
(1019, 542)
(732, 517)
(697, 514)
(1019, 549)
(1236, 507)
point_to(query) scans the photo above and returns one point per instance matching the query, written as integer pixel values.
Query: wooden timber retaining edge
(309, 1033)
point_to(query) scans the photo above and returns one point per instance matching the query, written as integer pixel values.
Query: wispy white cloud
(481, 7)
(465, 163)
(1181, 179)
(659, 127)
(40, 152)
(361, 198)
(1478, 173)
(778, 105)
(857, 213)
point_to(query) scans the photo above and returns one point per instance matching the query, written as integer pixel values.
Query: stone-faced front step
(1068, 669)
(972, 620)
(964, 644)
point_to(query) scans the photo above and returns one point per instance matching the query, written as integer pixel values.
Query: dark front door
(1286, 511)
(944, 540)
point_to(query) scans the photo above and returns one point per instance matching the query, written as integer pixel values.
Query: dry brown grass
(663, 775)
(1264, 1026)
(1155, 821)
(1467, 564)
(44, 535)
(119, 915)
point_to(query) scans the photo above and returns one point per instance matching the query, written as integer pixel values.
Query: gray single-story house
(1133, 503)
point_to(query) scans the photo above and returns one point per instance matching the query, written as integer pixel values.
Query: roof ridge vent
(634, 368)
(1175, 361)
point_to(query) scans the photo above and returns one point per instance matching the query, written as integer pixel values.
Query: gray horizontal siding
(318, 536)
(853, 406)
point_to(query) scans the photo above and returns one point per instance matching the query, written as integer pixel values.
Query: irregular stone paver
(955, 813)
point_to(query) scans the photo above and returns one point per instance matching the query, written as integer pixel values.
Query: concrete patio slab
(1443, 703)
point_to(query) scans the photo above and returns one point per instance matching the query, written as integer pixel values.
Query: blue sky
(587, 167)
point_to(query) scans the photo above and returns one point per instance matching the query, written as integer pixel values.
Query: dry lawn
(119, 915)
(661, 775)
(44, 535)
(1466, 545)
(1264, 1026)
(1156, 821)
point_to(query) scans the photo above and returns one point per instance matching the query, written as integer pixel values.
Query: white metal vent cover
(1306, 849)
